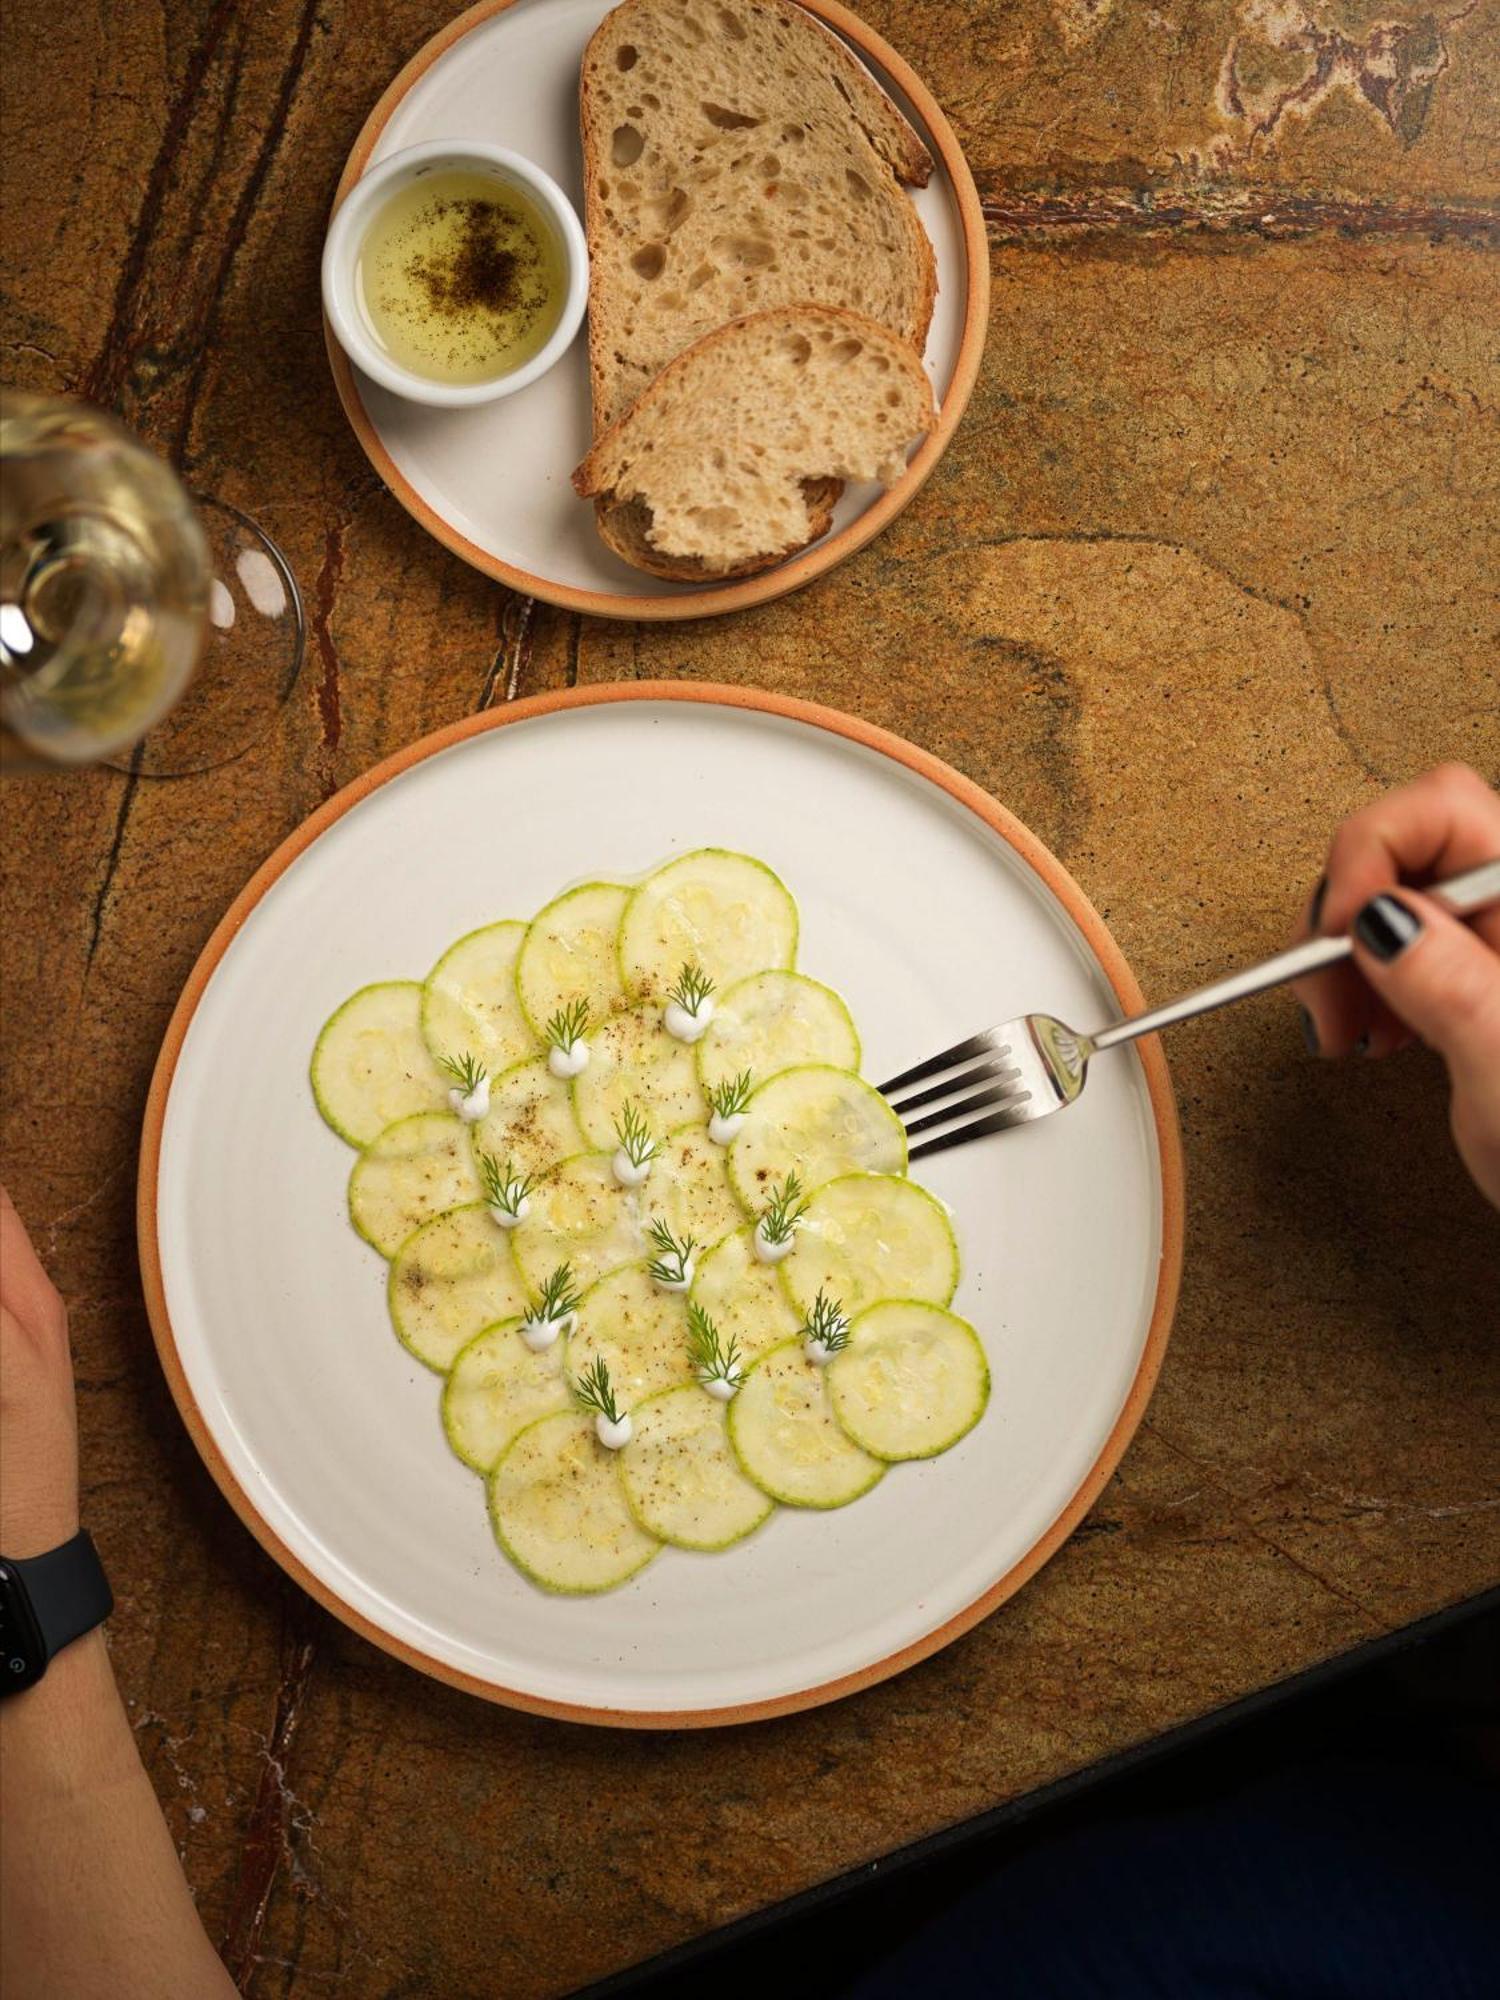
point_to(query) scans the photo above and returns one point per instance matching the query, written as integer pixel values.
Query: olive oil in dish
(462, 277)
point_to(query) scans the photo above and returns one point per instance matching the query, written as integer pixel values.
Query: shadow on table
(1333, 1837)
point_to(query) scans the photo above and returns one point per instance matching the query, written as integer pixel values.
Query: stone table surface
(1212, 559)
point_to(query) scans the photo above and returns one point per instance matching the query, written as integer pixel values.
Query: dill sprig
(784, 1210)
(634, 1135)
(468, 1072)
(714, 1359)
(729, 1098)
(692, 988)
(567, 1025)
(670, 1267)
(503, 1186)
(827, 1324)
(559, 1295)
(595, 1391)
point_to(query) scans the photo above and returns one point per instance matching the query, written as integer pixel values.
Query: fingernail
(1385, 926)
(1362, 1046)
(1315, 907)
(1309, 1031)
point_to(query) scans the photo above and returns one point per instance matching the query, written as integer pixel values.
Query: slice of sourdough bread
(731, 459)
(737, 157)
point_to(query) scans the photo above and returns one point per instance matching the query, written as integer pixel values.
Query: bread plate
(931, 909)
(493, 483)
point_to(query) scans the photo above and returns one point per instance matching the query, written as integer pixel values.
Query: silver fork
(1034, 1065)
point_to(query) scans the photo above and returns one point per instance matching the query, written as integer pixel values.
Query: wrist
(69, 1733)
(35, 1522)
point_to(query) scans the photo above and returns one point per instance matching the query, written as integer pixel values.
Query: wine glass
(140, 626)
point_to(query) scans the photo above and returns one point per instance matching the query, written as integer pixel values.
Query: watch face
(23, 1657)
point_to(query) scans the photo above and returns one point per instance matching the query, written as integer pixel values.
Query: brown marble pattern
(1213, 557)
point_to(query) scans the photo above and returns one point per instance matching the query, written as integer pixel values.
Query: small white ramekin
(341, 300)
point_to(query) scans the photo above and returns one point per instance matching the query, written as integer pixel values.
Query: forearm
(92, 1896)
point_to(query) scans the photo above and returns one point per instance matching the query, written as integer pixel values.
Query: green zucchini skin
(802, 1429)
(784, 1434)
(682, 1480)
(370, 1065)
(912, 1381)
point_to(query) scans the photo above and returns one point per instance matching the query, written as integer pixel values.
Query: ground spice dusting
(462, 278)
(478, 272)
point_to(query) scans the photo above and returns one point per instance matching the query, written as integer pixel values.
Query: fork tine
(960, 1081)
(999, 1093)
(976, 1045)
(997, 1121)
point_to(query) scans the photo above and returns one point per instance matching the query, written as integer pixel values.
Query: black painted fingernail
(1315, 907)
(1309, 1031)
(1385, 926)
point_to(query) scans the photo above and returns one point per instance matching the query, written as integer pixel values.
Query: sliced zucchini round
(872, 1236)
(580, 1216)
(470, 1006)
(558, 1509)
(682, 1481)
(689, 1187)
(639, 1330)
(724, 912)
(530, 1119)
(449, 1278)
(820, 1122)
(912, 1381)
(744, 1297)
(370, 1065)
(787, 1440)
(632, 1059)
(571, 953)
(496, 1387)
(414, 1170)
(774, 1021)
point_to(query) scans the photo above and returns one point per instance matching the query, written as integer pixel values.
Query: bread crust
(624, 522)
(889, 132)
(624, 526)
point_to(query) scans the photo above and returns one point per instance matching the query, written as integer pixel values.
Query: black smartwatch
(46, 1602)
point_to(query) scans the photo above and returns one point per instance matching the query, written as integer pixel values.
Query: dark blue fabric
(1335, 1883)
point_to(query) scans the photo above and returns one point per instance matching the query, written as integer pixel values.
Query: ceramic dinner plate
(922, 902)
(493, 483)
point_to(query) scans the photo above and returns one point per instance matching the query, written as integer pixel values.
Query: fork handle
(1465, 895)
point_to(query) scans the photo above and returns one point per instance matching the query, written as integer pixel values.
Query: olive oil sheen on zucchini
(461, 277)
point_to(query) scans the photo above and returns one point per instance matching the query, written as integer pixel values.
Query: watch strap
(68, 1589)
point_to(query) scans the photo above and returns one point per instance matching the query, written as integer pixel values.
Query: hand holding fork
(1448, 992)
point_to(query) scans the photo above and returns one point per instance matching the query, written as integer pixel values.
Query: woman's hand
(92, 1894)
(38, 1433)
(1417, 973)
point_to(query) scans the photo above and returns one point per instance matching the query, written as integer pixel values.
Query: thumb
(1436, 974)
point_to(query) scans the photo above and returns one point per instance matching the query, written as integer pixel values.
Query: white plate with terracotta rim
(493, 483)
(934, 912)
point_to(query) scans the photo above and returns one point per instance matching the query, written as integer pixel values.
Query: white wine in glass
(138, 625)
